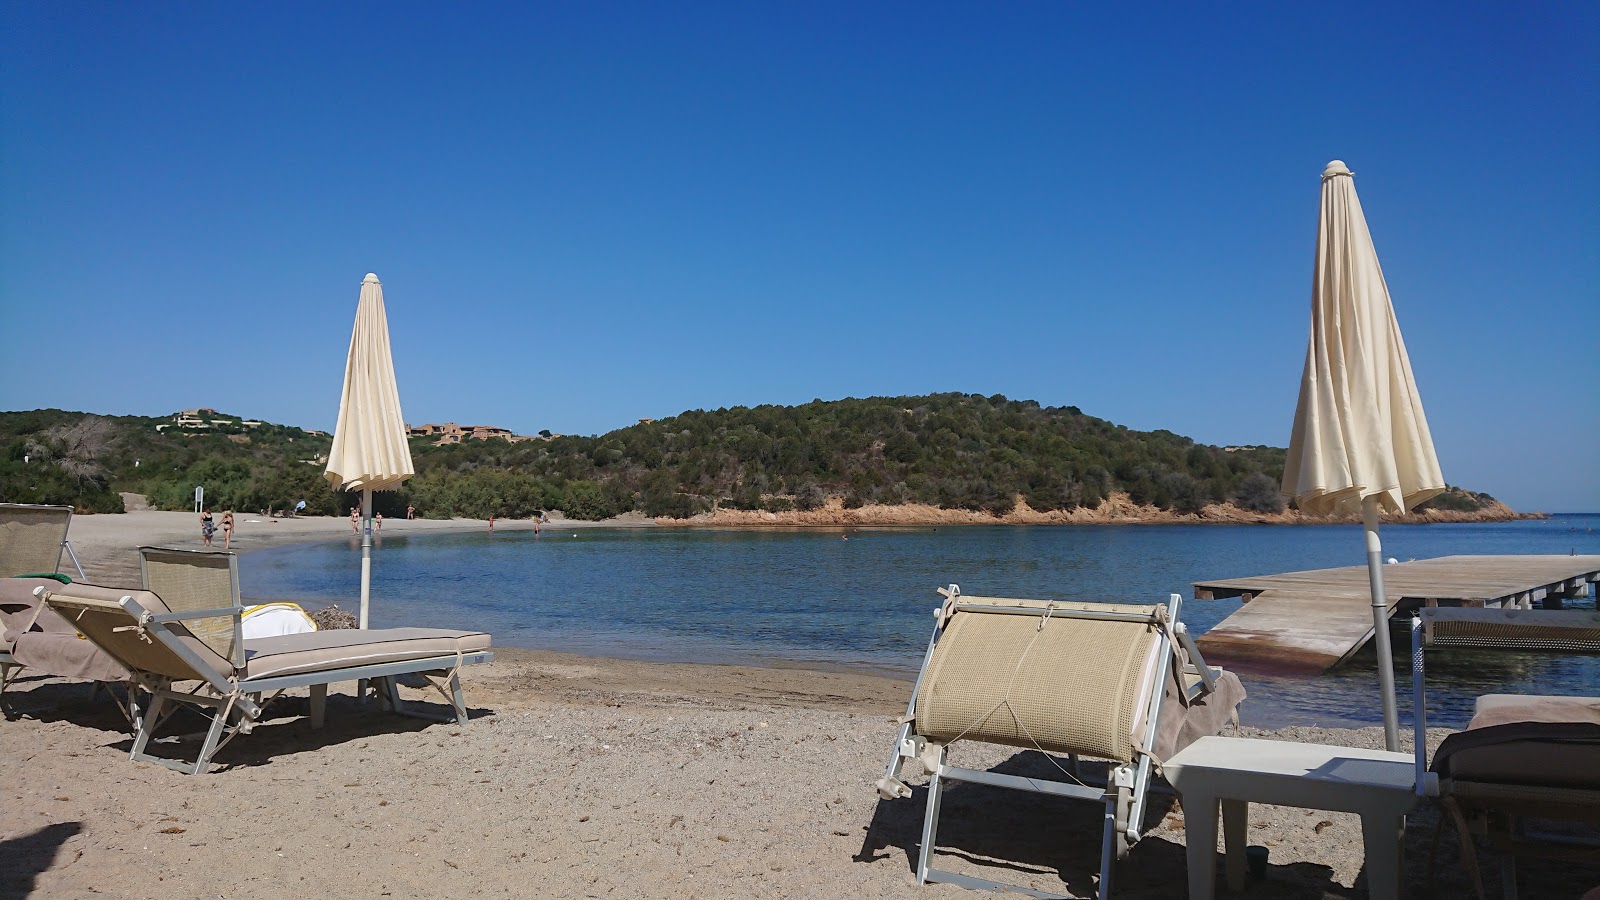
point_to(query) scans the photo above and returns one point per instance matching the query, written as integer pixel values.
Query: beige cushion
(1527, 740)
(320, 651)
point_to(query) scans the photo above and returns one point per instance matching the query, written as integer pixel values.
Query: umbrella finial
(1336, 167)
(372, 277)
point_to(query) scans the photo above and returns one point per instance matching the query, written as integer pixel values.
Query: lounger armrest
(219, 612)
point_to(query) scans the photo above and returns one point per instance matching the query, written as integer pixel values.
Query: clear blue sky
(588, 213)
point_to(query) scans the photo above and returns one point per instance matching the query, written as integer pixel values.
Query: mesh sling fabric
(1037, 681)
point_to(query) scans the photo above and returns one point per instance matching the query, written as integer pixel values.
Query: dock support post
(1380, 624)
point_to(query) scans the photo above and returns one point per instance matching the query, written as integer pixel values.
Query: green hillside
(950, 450)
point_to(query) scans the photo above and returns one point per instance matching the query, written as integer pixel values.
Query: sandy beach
(582, 777)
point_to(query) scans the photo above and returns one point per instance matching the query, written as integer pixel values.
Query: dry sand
(584, 777)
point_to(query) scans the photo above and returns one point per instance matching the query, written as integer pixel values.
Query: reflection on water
(807, 597)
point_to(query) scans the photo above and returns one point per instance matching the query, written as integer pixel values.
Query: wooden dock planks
(1311, 621)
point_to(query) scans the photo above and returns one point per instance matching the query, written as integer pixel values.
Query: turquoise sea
(811, 598)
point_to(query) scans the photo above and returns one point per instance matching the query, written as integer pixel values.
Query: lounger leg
(319, 704)
(6, 675)
(930, 822)
(1108, 844)
(458, 698)
(391, 693)
(214, 734)
(147, 724)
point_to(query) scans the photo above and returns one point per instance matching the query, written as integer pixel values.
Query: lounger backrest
(98, 613)
(31, 538)
(1067, 685)
(189, 580)
(1557, 630)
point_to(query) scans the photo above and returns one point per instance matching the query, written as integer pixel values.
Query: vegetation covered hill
(956, 451)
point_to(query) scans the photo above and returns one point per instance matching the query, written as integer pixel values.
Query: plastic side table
(1235, 772)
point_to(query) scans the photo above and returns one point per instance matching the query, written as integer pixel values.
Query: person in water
(207, 526)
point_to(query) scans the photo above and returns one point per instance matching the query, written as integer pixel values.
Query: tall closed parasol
(369, 444)
(1360, 439)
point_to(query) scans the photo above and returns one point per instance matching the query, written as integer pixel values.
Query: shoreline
(1118, 509)
(107, 544)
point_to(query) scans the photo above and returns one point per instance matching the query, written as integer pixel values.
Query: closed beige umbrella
(369, 452)
(1360, 438)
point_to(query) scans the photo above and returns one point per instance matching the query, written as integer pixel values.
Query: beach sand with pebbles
(583, 777)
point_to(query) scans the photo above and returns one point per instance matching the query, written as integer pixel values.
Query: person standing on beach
(377, 520)
(355, 520)
(207, 527)
(491, 521)
(227, 530)
(411, 512)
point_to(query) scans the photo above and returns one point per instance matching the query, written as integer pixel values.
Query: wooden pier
(1314, 620)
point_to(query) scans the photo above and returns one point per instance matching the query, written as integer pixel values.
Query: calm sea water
(809, 598)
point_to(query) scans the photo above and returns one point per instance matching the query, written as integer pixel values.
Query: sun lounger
(1121, 683)
(162, 647)
(1520, 756)
(32, 539)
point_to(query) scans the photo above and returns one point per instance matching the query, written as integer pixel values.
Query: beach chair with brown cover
(1117, 682)
(163, 647)
(32, 540)
(1521, 756)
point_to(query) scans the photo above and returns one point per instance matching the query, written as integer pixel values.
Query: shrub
(1259, 493)
(809, 497)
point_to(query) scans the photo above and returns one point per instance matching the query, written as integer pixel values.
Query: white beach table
(1235, 772)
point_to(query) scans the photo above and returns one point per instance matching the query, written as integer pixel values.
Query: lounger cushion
(320, 651)
(1527, 740)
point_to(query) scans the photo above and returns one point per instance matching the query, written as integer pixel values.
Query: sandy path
(583, 777)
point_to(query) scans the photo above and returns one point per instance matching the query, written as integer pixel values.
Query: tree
(1259, 493)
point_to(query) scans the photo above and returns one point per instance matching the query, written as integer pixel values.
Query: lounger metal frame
(235, 705)
(1127, 785)
(1570, 631)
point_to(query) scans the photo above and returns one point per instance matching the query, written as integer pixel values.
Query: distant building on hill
(451, 433)
(205, 418)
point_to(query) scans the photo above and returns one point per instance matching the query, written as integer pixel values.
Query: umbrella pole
(366, 570)
(366, 552)
(1380, 623)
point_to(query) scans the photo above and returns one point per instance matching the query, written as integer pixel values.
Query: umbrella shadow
(29, 855)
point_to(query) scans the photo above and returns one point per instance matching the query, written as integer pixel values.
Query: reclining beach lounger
(1116, 682)
(32, 540)
(1521, 756)
(160, 651)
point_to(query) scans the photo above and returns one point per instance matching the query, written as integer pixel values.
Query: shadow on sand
(27, 856)
(284, 729)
